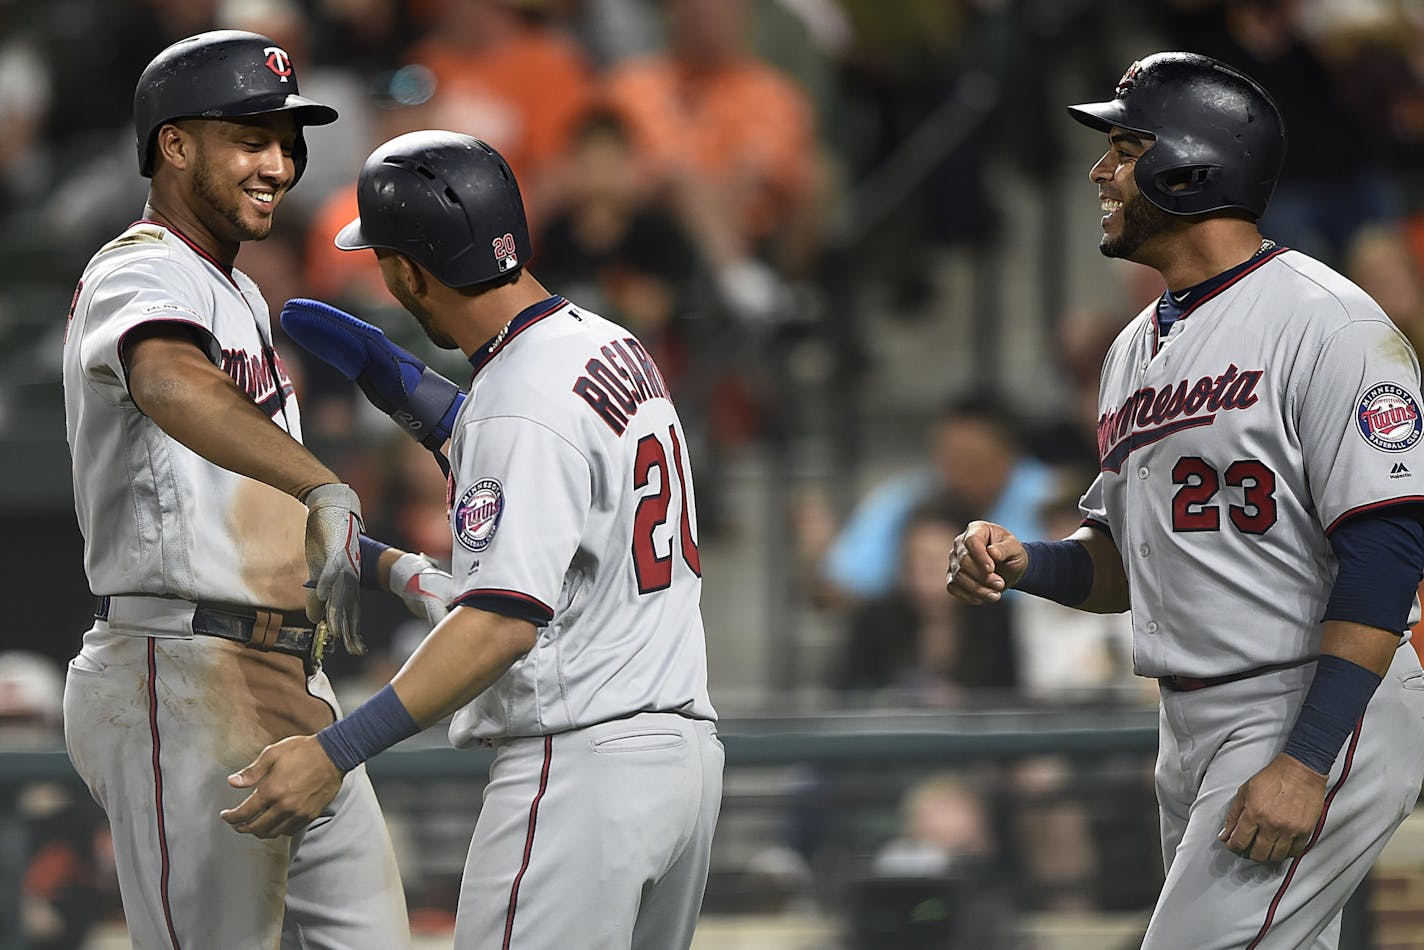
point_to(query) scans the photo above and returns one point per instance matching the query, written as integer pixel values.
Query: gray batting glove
(425, 589)
(333, 548)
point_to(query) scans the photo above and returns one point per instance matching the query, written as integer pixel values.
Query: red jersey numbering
(655, 571)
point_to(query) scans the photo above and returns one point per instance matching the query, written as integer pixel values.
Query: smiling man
(1258, 510)
(204, 522)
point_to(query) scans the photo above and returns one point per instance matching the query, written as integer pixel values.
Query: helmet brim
(350, 238)
(1106, 116)
(308, 111)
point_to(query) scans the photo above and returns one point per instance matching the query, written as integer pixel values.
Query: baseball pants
(599, 838)
(1214, 739)
(154, 725)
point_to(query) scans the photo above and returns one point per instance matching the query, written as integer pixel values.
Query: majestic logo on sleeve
(477, 515)
(1152, 414)
(1388, 417)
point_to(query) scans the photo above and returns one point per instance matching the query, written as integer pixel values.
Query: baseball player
(575, 645)
(205, 522)
(1258, 507)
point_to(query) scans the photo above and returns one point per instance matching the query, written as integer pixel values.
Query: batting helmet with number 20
(447, 201)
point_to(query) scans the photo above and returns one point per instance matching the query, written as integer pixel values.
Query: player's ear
(414, 276)
(174, 145)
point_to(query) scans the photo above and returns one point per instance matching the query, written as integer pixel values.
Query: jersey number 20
(1199, 481)
(654, 572)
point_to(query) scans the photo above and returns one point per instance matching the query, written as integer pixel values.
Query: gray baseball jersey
(156, 718)
(1278, 405)
(1280, 402)
(156, 517)
(572, 506)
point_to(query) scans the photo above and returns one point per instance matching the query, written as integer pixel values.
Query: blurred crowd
(726, 177)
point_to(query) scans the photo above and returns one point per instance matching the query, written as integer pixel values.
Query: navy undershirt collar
(1173, 306)
(525, 319)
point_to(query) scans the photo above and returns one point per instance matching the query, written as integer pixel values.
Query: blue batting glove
(397, 382)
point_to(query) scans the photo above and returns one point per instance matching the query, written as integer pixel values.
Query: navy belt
(257, 627)
(1187, 684)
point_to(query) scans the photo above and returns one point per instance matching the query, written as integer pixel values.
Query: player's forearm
(463, 656)
(1109, 594)
(1354, 657)
(1369, 647)
(198, 405)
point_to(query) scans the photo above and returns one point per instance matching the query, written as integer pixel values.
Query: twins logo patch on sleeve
(1388, 417)
(477, 515)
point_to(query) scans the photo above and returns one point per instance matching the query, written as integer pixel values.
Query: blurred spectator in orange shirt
(614, 249)
(732, 137)
(505, 74)
(495, 69)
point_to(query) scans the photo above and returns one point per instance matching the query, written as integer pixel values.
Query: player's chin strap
(396, 381)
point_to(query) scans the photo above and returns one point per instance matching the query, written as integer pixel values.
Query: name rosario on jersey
(1151, 413)
(616, 385)
(253, 375)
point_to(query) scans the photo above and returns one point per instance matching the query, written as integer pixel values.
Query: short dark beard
(423, 317)
(205, 186)
(1141, 220)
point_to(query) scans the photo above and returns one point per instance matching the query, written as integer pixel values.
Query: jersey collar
(1172, 307)
(525, 319)
(226, 271)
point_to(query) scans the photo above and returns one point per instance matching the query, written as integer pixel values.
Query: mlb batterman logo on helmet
(1388, 417)
(477, 514)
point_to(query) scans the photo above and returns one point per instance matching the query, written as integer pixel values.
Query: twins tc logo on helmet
(278, 61)
(477, 515)
(1388, 417)
(1129, 77)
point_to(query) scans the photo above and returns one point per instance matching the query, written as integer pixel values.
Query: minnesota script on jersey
(577, 512)
(1230, 448)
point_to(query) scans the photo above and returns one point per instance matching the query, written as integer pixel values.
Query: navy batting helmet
(1220, 138)
(445, 200)
(221, 75)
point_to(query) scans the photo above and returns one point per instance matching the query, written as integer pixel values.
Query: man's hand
(425, 589)
(292, 781)
(333, 549)
(1275, 812)
(986, 559)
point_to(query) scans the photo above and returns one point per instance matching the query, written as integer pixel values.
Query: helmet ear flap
(299, 157)
(1186, 180)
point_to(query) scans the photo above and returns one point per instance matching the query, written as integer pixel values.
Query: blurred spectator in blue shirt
(976, 459)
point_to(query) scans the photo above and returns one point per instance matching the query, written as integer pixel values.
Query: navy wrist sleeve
(370, 561)
(376, 725)
(1337, 699)
(1381, 559)
(1059, 570)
